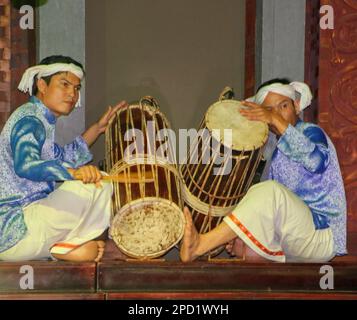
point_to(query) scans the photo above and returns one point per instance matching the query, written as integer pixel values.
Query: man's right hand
(87, 174)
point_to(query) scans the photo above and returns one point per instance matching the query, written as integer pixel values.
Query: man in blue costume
(38, 221)
(299, 215)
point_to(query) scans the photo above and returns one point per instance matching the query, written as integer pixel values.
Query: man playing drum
(37, 221)
(299, 215)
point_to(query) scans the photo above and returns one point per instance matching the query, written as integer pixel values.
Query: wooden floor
(117, 278)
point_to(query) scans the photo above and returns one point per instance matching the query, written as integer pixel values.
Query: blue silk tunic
(30, 164)
(305, 161)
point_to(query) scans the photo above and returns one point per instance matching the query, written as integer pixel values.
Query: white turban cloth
(42, 70)
(296, 91)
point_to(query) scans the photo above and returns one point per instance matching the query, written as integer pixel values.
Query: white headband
(297, 91)
(42, 70)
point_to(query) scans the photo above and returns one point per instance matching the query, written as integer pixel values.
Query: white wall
(282, 40)
(61, 30)
(280, 47)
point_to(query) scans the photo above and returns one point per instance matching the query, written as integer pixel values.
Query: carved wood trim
(250, 41)
(338, 94)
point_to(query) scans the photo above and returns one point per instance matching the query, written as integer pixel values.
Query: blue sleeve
(75, 154)
(310, 148)
(27, 139)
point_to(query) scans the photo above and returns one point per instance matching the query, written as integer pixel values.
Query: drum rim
(206, 209)
(238, 148)
(145, 107)
(122, 165)
(146, 201)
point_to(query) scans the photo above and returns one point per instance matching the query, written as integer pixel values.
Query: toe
(100, 244)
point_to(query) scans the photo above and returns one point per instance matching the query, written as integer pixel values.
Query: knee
(104, 188)
(107, 188)
(266, 190)
(268, 186)
(271, 184)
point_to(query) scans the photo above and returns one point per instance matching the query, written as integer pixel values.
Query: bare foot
(87, 252)
(235, 247)
(252, 256)
(229, 247)
(101, 247)
(191, 239)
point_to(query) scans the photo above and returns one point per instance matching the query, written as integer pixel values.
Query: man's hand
(92, 134)
(87, 174)
(269, 116)
(108, 115)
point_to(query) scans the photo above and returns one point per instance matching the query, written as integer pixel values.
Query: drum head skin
(246, 135)
(148, 228)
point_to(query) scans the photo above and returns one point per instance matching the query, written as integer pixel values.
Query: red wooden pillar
(337, 110)
(312, 46)
(5, 54)
(17, 52)
(250, 47)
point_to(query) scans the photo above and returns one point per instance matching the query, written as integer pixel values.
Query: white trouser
(73, 214)
(278, 225)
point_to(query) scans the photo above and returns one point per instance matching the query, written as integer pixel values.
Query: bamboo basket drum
(212, 196)
(147, 218)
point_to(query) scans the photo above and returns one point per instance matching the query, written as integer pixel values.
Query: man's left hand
(108, 115)
(257, 112)
(267, 115)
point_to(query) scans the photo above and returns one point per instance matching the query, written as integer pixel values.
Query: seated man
(299, 215)
(37, 221)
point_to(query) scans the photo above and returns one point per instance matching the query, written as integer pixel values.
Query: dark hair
(275, 80)
(50, 60)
